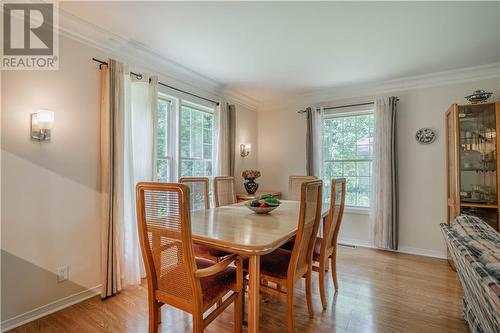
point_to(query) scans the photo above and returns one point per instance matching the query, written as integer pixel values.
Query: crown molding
(138, 55)
(456, 76)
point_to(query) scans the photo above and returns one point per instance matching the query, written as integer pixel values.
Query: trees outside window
(348, 153)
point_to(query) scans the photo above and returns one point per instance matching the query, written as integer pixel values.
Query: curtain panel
(231, 122)
(384, 216)
(314, 141)
(128, 108)
(112, 98)
(225, 137)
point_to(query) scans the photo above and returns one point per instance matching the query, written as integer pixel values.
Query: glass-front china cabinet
(472, 163)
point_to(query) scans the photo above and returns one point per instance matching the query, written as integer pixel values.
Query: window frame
(351, 112)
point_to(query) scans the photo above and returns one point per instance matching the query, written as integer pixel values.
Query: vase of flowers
(250, 185)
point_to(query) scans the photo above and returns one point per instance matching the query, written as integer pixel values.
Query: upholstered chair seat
(208, 252)
(274, 264)
(215, 286)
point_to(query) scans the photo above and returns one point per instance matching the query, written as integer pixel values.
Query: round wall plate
(425, 136)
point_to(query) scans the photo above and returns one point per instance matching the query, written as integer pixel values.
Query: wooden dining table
(236, 229)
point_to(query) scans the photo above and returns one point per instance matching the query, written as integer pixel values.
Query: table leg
(253, 294)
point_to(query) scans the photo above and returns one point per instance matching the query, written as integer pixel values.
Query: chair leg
(309, 294)
(321, 282)
(238, 311)
(153, 315)
(197, 323)
(159, 314)
(219, 303)
(289, 310)
(334, 270)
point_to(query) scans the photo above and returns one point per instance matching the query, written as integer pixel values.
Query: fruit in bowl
(264, 204)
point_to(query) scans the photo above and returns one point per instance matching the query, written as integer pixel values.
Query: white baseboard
(49, 308)
(355, 242)
(402, 249)
(423, 252)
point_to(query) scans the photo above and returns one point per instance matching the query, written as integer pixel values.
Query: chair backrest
(309, 219)
(224, 191)
(198, 192)
(166, 244)
(294, 186)
(334, 217)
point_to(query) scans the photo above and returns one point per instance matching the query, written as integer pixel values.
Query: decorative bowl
(260, 210)
(478, 96)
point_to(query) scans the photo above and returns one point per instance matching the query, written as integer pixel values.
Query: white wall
(246, 132)
(421, 167)
(50, 209)
(50, 190)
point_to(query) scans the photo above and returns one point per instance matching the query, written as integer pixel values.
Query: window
(196, 141)
(163, 151)
(348, 153)
(184, 139)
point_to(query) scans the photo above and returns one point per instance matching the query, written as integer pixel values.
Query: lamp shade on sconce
(42, 122)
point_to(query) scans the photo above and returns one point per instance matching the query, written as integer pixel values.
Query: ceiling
(266, 48)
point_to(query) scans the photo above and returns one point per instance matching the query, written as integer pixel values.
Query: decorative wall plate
(425, 136)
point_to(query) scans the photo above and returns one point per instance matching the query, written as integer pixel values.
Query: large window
(348, 153)
(196, 142)
(184, 139)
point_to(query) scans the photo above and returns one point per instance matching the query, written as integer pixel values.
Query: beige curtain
(221, 137)
(112, 104)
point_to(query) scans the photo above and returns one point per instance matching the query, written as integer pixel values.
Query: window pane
(348, 153)
(162, 171)
(187, 169)
(196, 141)
(207, 151)
(162, 128)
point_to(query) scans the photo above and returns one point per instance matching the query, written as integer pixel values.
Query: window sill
(357, 210)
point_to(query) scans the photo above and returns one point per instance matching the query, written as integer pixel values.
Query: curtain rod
(139, 76)
(343, 106)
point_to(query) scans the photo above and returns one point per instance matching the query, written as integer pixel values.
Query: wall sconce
(41, 124)
(245, 149)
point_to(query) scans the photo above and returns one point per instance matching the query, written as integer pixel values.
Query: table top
(246, 196)
(237, 229)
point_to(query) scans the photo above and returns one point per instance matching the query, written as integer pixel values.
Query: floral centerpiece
(250, 185)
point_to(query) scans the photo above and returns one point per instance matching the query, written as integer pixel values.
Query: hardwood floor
(379, 292)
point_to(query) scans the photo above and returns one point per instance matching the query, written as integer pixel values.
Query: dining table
(237, 229)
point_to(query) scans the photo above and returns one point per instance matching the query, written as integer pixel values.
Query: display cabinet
(472, 161)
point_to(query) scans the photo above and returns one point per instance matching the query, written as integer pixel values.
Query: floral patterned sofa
(475, 249)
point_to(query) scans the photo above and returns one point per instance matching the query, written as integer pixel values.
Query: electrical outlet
(62, 273)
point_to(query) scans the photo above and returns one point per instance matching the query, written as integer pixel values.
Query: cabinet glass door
(477, 154)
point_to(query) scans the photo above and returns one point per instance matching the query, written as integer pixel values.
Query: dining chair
(294, 186)
(200, 199)
(224, 191)
(174, 275)
(284, 268)
(326, 247)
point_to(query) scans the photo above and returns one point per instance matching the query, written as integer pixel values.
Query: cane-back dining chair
(224, 191)
(326, 247)
(284, 268)
(174, 275)
(294, 186)
(200, 199)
